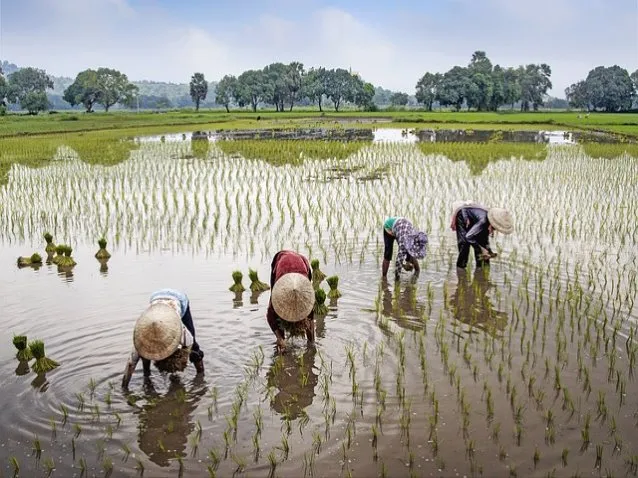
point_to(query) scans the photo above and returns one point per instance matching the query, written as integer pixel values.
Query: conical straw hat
(158, 332)
(293, 297)
(501, 220)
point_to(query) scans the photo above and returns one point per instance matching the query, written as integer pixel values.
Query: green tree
(453, 88)
(84, 90)
(427, 89)
(225, 91)
(535, 82)
(316, 85)
(113, 87)
(35, 101)
(294, 81)
(577, 95)
(3, 90)
(610, 89)
(511, 86)
(27, 86)
(399, 99)
(480, 85)
(250, 88)
(198, 89)
(362, 94)
(341, 86)
(274, 85)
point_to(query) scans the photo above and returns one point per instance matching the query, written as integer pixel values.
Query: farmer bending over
(474, 224)
(165, 334)
(412, 246)
(292, 297)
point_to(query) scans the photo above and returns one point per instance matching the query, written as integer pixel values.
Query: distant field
(69, 122)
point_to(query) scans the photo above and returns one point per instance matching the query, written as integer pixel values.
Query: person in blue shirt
(164, 327)
(412, 246)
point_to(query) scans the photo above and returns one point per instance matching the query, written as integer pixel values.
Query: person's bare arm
(130, 368)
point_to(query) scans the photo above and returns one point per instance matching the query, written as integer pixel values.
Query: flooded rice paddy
(525, 370)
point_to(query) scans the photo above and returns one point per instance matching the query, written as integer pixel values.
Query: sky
(390, 44)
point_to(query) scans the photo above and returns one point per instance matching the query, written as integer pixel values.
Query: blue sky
(389, 43)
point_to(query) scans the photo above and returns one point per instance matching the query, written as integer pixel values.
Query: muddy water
(414, 361)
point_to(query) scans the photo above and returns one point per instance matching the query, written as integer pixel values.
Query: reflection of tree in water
(165, 422)
(471, 305)
(402, 305)
(293, 375)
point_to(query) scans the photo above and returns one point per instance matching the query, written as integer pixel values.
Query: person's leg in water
(388, 245)
(464, 247)
(197, 355)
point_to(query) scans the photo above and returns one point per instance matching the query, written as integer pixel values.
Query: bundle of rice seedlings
(237, 285)
(42, 364)
(34, 260)
(320, 307)
(59, 251)
(317, 275)
(66, 260)
(333, 282)
(255, 284)
(102, 253)
(50, 248)
(294, 329)
(24, 352)
(176, 362)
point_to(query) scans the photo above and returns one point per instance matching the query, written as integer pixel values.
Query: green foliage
(255, 284)
(320, 298)
(28, 87)
(478, 155)
(608, 89)
(24, 352)
(610, 151)
(485, 87)
(291, 151)
(399, 99)
(237, 285)
(198, 89)
(333, 283)
(36, 258)
(42, 363)
(226, 91)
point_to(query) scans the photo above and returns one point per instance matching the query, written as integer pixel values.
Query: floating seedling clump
(237, 285)
(317, 274)
(320, 307)
(333, 282)
(42, 363)
(255, 284)
(50, 247)
(59, 253)
(24, 352)
(34, 260)
(66, 260)
(177, 362)
(102, 253)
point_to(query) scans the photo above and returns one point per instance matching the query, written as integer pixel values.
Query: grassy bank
(148, 122)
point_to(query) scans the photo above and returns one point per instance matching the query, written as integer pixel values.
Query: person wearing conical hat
(412, 246)
(474, 224)
(292, 296)
(164, 332)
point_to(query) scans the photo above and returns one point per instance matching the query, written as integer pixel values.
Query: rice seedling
(37, 447)
(24, 352)
(237, 285)
(255, 284)
(15, 465)
(50, 246)
(102, 253)
(333, 283)
(272, 462)
(42, 363)
(320, 307)
(49, 466)
(564, 455)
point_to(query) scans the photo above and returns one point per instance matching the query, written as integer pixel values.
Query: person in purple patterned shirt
(412, 246)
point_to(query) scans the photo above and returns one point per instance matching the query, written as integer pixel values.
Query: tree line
(479, 86)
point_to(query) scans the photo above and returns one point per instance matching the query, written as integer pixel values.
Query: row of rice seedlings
(207, 200)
